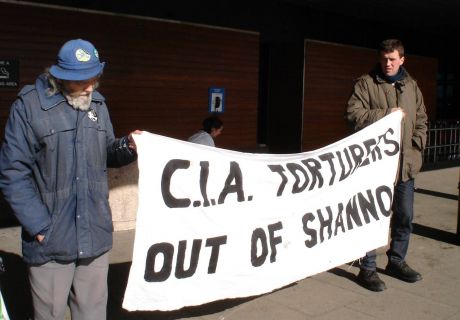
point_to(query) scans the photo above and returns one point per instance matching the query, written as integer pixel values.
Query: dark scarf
(392, 79)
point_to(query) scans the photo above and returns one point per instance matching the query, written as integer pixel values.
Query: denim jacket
(53, 173)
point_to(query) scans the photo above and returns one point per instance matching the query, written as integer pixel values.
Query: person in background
(58, 144)
(212, 127)
(385, 89)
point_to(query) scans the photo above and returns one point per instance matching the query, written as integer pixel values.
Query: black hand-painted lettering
(308, 231)
(379, 193)
(274, 240)
(234, 175)
(339, 220)
(328, 157)
(325, 223)
(204, 173)
(166, 177)
(368, 206)
(388, 141)
(352, 213)
(344, 172)
(258, 235)
(181, 272)
(368, 145)
(167, 250)
(279, 169)
(215, 243)
(293, 169)
(314, 167)
(357, 153)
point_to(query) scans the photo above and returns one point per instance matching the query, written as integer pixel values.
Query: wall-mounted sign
(9, 73)
(216, 100)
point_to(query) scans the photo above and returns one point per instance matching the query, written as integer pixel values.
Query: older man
(53, 172)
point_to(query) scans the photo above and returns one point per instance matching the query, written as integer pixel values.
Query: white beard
(80, 102)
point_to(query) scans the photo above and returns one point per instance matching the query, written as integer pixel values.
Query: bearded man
(58, 144)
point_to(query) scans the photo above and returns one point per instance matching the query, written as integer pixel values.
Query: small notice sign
(9, 73)
(216, 100)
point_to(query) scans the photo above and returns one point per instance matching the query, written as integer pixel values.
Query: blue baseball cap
(77, 60)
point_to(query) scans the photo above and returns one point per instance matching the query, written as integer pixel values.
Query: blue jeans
(401, 226)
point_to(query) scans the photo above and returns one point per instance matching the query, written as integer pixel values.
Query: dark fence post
(458, 215)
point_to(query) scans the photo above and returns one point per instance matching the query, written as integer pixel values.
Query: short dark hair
(391, 45)
(212, 122)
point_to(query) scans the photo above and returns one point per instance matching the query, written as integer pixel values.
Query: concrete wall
(123, 196)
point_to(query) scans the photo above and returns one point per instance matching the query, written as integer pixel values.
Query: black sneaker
(402, 271)
(370, 280)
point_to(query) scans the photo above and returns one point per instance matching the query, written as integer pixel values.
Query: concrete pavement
(333, 294)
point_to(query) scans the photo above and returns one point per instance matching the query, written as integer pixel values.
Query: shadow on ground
(118, 278)
(436, 234)
(16, 293)
(437, 194)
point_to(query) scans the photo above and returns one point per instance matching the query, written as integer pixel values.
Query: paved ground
(330, 295)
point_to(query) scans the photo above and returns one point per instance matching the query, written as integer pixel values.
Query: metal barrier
(458, 215)
(443, 145)
(443, 142)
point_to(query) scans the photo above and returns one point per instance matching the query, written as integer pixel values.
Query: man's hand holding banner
(215, 224)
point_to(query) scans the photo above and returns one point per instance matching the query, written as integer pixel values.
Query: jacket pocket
(414, 161)
(55, 144)
(62, 236)
(96, 144)
(47, 129)
(100, 217)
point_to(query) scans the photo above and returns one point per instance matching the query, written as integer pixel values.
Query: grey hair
(56, 85)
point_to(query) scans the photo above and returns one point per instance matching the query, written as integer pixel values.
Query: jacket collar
(376, 74)
(48, 102)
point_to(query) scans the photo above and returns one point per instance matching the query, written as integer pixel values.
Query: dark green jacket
(373, 98)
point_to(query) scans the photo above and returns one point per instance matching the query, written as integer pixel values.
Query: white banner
(3, 313)
(215, 224)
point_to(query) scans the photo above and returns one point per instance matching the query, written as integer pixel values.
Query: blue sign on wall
(216, 100)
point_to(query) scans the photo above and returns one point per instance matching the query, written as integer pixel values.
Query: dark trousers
(401, 226)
